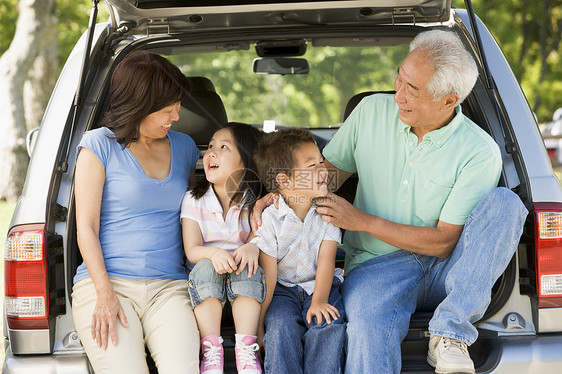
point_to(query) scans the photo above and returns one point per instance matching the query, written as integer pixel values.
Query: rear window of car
(312, 100)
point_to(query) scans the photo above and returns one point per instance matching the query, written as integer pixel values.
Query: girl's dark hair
(246, 138)
(141, 84)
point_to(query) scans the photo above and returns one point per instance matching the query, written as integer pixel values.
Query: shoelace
(246, 354)
(453, 343)
(211, 354)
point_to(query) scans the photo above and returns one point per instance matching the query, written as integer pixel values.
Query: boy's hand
(223, 261)
(319, 309)
(247, 254)
(259, 207)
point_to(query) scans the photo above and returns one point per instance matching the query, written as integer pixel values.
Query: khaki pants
(159, 314)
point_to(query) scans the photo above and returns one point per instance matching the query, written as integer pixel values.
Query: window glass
(316, 99)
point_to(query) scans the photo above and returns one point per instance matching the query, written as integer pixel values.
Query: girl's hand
(107, 310)
(223, 261)
(319, 309)
(247, 254)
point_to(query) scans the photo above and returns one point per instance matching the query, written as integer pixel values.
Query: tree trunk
(43, 75)
(15, 65)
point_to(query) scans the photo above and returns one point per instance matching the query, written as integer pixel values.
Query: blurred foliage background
(317, 99)
(529, 32)
(73, 16)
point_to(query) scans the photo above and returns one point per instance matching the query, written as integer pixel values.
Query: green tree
(73, 17)
(8, 18)
(529, 33)
(30, 40)
(27, 62)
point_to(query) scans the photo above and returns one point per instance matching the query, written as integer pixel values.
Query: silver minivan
(274, 64)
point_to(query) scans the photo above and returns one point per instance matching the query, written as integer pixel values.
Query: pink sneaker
(247, 360)
(212, 355)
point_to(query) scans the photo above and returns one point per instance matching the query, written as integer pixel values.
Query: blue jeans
(294, 346)
(381, 294)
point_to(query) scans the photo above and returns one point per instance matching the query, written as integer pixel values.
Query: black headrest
(202, 111)
(201, 84)
(352, 103)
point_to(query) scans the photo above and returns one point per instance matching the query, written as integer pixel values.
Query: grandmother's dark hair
(275, 154)
(246, 138)
(141, 84)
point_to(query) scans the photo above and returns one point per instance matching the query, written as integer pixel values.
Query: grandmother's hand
(107, 310)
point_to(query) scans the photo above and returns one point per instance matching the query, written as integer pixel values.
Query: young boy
(302, 316)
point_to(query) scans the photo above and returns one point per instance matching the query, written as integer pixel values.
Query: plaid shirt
(294, 243)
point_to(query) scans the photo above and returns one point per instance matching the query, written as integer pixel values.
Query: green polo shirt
(442, 178)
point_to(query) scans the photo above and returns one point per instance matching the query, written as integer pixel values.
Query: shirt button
(411, 144)
(405, 182)
(410, 163)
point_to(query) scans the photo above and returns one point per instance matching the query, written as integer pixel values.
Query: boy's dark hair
(246, 138)
(141, 84)
(275, 154)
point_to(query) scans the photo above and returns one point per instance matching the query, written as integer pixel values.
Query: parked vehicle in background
(280, 64)
(552, 135)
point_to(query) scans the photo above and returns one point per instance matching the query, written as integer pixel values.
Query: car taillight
(26, 278)
(548, 254)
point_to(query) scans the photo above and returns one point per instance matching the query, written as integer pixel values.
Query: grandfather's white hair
(455, 68)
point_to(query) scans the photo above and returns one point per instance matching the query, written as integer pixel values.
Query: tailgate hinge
(58, 212)
(158, 26)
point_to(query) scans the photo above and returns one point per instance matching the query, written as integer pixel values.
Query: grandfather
(428, 230)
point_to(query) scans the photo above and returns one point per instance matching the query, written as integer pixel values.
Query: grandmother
(131, 174)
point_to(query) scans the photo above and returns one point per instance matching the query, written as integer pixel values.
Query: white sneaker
(449, 355)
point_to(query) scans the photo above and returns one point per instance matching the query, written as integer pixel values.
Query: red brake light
(548, 254)
(26, 278)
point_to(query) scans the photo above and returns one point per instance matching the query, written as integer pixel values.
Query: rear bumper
(530, 354)
(46, 364)
(518, 355)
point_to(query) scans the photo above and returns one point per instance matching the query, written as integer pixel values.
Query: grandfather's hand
(107, 310)
(339, 212)
(259, 207)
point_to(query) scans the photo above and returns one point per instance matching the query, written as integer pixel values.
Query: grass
(6, 210)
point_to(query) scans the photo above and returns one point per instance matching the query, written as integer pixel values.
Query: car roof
(180, 15)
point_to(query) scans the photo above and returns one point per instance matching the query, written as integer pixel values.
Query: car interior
(220, 93)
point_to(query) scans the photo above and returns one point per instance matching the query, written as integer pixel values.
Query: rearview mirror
(280, 65)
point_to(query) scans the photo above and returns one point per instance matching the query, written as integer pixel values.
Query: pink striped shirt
(229, 233)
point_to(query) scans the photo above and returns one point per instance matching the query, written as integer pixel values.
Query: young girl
(215, 221)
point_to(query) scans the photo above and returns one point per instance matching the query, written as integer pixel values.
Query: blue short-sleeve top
(140, 230)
